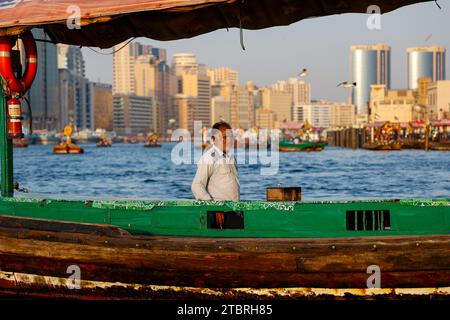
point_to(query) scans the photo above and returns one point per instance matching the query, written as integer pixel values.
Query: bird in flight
(346, 84)
(302, 73)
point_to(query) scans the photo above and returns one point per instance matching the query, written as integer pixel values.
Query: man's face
(224, 138)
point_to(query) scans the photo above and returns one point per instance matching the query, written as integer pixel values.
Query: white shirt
(217, 177)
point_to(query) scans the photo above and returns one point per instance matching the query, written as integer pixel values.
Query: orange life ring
(22, 84)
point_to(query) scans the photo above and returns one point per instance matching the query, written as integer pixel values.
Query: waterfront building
(425, 62)
(342, 115)
(317, 113)
(438, 99)
(392, 105)
(370, 65)
(133, 115)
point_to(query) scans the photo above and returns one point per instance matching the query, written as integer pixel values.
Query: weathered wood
(60, 226)
(408, 261)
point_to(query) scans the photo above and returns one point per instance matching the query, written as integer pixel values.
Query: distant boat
(104, 141)
(20, 143)
(379, 146)
(305, 146)
(67, 147)
(152, 141)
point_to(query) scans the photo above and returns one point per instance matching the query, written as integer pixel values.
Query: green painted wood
(261, 219)
(6, 150)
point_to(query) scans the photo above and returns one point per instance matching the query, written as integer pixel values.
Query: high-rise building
(264, 118)
(223, 75)
(194, 92)
(277, 101)
(124, 58)
(44, 92)
(243, 107)
(370, 65)
(318, 113)
(425, 62)
(142, 70)
(102, 105)
(75, 90)
(182, 62)
(220, 109)
(300, 90)
(132, 114)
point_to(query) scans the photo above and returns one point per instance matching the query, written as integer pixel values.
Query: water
(132, 171)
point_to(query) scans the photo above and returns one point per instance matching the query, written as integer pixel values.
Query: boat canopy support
(7, 173)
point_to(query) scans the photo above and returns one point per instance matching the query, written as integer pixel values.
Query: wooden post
(427, 137)
(6, 149)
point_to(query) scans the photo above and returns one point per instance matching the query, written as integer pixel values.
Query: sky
(321, 45)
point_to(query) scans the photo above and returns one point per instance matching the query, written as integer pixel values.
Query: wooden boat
(20, 143)
(67, 148)
(165, 249)
(382, 146)
(104, 141)
(440, 146)
(172, 249)
(309, 146)
(413, 144)
(152, 145)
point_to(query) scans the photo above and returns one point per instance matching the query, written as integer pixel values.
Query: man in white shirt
(217, 176)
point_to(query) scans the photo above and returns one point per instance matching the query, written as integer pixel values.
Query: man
(217, 176)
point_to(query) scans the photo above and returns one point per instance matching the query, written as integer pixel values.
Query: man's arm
(201, 181)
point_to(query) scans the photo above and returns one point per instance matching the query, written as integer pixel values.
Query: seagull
(302, 73)
(346, 84)
(396, 118)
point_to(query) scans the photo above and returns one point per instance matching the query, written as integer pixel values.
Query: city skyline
(265, 65)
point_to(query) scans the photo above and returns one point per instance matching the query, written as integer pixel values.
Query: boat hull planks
(108, 255)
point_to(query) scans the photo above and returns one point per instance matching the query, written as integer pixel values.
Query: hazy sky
(321, 45)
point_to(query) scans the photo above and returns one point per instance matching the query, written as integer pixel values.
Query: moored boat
(161, 249)
(308, 146)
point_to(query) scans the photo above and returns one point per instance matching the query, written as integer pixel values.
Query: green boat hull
(288, 146)
(327, 219)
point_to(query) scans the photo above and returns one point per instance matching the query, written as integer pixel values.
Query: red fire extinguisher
(17, 86)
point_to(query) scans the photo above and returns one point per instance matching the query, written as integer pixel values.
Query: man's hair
(219, 124)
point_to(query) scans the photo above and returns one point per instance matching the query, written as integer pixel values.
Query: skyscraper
(43, 94)
(142, 70)
(370, 65)
(425, 62)
(76, 100)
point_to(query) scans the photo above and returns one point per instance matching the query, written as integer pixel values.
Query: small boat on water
(67, 146)
(152, 141)
(308, 146)
(104, 141)
(20, 143)
(382, 146)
